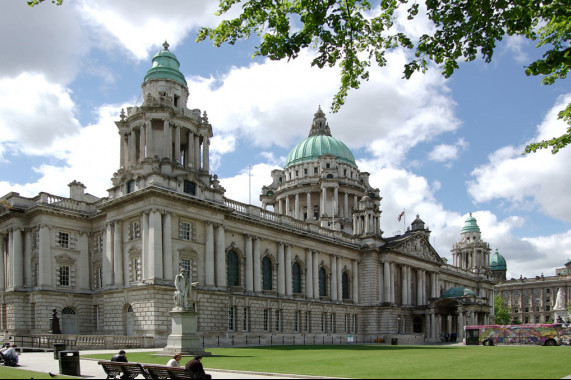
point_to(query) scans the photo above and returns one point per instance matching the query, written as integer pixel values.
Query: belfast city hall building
(310, 265)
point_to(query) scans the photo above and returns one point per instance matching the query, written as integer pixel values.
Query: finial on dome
(166, 45)
(319, 125)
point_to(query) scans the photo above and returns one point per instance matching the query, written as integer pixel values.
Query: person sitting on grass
(9, 356)
(195, 367)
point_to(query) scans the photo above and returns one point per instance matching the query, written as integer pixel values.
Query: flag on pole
(401, 215)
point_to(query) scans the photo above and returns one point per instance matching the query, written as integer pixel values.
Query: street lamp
(398, 325)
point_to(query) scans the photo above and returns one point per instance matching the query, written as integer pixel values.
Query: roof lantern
(165, 66)
(470, 225)
(497, 261)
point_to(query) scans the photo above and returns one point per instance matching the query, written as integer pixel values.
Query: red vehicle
(541, 334)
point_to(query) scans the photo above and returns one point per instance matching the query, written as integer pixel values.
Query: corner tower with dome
(322, 185)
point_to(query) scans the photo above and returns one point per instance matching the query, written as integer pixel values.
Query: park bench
(115, 369)
(166, 372)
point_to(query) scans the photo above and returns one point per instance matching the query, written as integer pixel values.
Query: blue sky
(436, 147)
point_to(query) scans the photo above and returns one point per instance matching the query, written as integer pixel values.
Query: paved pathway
(45, 362)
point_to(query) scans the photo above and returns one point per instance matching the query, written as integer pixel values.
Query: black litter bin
(394, 342)
(69, 363)
(58, 347)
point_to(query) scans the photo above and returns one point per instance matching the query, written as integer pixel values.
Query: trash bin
(69, 363)
(57, 348)
(394, 342)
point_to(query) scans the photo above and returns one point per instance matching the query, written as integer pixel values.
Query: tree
(355, 34)
(501, 311)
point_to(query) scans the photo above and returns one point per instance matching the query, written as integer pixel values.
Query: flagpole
(249, 185)
(404, 221)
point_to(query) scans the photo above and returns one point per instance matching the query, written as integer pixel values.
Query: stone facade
(316, 267)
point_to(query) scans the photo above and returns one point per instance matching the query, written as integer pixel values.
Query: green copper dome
(497, 262)
(459, 292)
(470, 225)
(318, 143)
(165, 66)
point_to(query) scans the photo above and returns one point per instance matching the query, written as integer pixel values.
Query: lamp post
(398, 325)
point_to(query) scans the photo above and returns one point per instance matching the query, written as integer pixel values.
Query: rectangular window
(266, 320)
(185, 231)
(527, 309)
(547, 290)
(130, 186)
(323, 322)
(136, 230)
(332, 323)
(537, 308)
(305, 171)
(354, 323)
(296, 321)
(137, 270)
(185, 264)
(516, 302)
(526, 320)
(64, 274)
(307, 321)
(245, 320)
(547, 308)
(548, 300)
(231, 318)
(516, 309)
(189, 187)
(537, 300)
(278, 320)
(315, 170)
(63, 240)
(346, 329)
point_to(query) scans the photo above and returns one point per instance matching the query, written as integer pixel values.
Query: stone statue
(183, 292)
(559, 301)
(55, 329)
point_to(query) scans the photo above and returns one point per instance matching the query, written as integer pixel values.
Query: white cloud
(446, 152)
(539, 179)
(34, 113)
(139, 27)
(241, 188)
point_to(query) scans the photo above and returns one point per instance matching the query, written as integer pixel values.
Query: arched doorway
(69, 321)
(417, 325)
(128, 320)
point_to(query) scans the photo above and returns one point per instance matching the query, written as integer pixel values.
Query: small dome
(470, 225)
(165, 66)
(459, 292)
(497, 262)
(417, 224)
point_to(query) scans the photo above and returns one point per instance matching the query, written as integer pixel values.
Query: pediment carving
(418, 246)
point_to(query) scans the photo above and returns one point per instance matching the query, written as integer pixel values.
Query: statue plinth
(560, 316)
(183, 338)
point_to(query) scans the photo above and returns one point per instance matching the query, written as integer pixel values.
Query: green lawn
(14, 373)
(380, 361)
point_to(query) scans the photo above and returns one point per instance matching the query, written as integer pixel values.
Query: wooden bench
(165, 372)
(115, 370)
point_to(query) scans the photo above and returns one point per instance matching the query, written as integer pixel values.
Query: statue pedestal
(560, 314)
(183, 338)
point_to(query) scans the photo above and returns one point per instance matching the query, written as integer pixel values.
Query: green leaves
(32, 3)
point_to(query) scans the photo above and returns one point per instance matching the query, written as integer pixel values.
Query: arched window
(266, 274)
(233, 269)
(322, 282)
(296, 274)
(345, 285)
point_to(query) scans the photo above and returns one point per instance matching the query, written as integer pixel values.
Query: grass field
(13, 373)
(396, 362)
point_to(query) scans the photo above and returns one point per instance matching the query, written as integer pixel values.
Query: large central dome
(318, 143)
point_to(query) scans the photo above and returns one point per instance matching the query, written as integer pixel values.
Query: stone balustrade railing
(83, 342)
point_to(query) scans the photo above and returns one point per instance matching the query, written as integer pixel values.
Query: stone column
(432, 326)
(257, 266)
(449, 324)
(155, 245)
(392, 282)
(335, 206)
(404, 284)
(333, 265)
(18, 258)
(281, 269)
(28, 280)
(419, 287)
(82, 268)
(309, 208)
(346, 206)
(355, 282)
(145, 271)
(132, 144)
(118, 253)
(309, 274)
(149, 139)
(167, 136)
(460, 328)
(315, 275)
(177, 146)
(322, 203)
(142, 142)
(167, 248)
(387, 281)
(209, 255)
(221, 277)
(189, 157)
(296, 206)
(107, 257)
(2, 261)
(287, 205)
(205, 153)
(197, 152)
(408, 286)
(249, 265)
(339, 279)
(287, 266)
